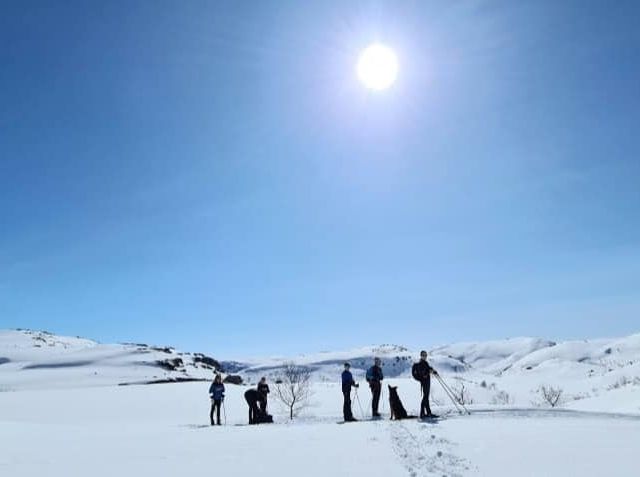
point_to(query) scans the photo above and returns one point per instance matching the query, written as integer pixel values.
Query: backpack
(414, 372)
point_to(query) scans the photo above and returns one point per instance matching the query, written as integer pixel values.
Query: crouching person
(256, 416)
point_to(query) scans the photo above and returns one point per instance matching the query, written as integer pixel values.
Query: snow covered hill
(503, 372)
(602, 374)
(504, 357)
(40, 360)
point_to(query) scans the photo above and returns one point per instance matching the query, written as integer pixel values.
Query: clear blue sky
(212, 175)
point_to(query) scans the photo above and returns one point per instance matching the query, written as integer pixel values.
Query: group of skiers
(257, 398)
(421, 372)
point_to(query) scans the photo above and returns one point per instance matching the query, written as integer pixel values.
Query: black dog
(397, 409)
(263, 418)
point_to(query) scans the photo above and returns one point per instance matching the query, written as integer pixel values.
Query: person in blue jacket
(347, 384)
(216, 393)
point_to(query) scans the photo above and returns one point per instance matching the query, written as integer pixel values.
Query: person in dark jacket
(422, 371)
(253, 397)
(216, 393)
(263, 388)
(347, 384)
(374, 378)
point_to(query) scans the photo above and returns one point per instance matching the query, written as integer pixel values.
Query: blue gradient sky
(211, 175)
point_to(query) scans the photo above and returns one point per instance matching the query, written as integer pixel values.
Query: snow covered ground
(67, 421)
(36, 360)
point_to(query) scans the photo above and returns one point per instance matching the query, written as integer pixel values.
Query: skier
(263, 388)
(374, 378)
(253, 396)
(216, 393)
(347, 384)
(421, 371)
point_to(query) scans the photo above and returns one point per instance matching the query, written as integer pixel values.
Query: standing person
(263, 388)
(422, 371)
(216, 392)
(374, 378)
(253, 397)
(347, 384)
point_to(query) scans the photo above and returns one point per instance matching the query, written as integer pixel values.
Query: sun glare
(377, 67)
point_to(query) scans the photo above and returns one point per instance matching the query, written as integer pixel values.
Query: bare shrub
(550, 395)
(502, 398)
(624, 381)
(461, 394)
(580, 396)
(293, 388)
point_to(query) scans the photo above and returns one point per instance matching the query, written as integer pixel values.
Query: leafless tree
(294, 388)
(550, 395)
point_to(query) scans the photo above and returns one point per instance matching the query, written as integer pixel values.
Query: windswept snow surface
(65, 420)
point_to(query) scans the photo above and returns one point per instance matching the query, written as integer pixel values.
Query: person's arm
(267, 389)
(432, 370)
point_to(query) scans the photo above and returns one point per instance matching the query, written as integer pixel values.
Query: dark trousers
(346, 408)
(253, 410)
(263, 406)
(424, 405)
(253, 413)
(376, 388)
(216, 404)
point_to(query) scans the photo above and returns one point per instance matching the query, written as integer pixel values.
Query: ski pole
(359, 405)
(451, 395)
(451, 391)
(224, 410)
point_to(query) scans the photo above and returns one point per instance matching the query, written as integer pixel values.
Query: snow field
(162, 430)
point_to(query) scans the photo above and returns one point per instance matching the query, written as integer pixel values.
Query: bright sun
(377, 67)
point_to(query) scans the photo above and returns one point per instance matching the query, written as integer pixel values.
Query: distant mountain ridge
(493, 358)
(30, 357)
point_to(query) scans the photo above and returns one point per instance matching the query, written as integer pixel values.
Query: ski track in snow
(424, 454)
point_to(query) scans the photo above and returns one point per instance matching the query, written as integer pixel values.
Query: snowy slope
(494, 373)
(36, 359)
(502, 372)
